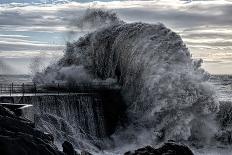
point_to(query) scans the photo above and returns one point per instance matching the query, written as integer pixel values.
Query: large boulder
(169, 148)
(68, 148)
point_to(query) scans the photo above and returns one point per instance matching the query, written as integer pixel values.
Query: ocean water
(16, 79)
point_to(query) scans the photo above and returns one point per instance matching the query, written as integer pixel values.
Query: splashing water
(165, 91)
(96, 18)
(76, 118)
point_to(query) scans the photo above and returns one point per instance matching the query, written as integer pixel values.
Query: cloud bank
(204, 25)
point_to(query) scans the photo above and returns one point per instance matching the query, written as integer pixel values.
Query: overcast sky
(37, 27)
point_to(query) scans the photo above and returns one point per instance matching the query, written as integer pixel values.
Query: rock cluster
(169, 148)
(18, 136)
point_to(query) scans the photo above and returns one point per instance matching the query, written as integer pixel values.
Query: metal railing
(58, 88)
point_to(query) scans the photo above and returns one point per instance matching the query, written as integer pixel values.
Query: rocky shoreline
(18, 136)
(169, 148)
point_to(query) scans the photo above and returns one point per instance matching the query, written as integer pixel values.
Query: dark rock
(68, 148)
(19, 137)
(148, 150)
(169, 148)
(174, 149)
(45, 136)
(85, 153)
(6, 112)
(18, 112)
(25, 144)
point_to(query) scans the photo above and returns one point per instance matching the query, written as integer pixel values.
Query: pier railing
(58, 88)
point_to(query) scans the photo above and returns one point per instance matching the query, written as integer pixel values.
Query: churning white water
(75, 118)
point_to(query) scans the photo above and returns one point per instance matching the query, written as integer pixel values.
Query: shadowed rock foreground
(19, 137)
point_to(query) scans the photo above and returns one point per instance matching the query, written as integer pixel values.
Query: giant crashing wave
(165, 90)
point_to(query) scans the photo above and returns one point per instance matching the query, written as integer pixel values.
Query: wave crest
(166, 92)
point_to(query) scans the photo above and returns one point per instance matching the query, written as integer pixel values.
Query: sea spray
(92, 19)
(165, 90)
(95, 19)
(78, 119)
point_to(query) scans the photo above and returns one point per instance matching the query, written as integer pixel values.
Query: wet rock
(6, 112)
(19, 137)
(169, 148)
(148, 150)
(174, 149)
(68, 148)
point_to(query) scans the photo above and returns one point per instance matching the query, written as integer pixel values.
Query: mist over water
(166, 92)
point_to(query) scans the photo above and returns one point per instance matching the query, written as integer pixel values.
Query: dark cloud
(184, 17)
(6, 46)
(19, 19)
(46, 1)
(190, 17)
(30, 18)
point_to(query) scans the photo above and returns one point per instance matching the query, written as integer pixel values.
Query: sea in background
(16, 79)
(221, 83)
